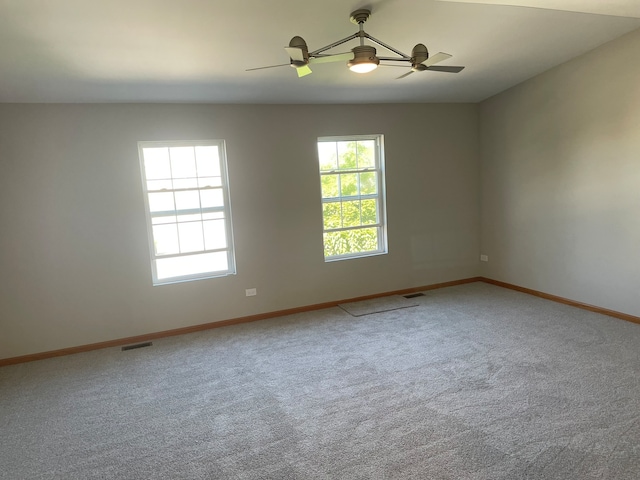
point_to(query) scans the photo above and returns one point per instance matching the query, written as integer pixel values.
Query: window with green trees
(352, 184)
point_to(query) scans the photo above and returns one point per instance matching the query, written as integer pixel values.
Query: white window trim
(381, 196)
(231, 270)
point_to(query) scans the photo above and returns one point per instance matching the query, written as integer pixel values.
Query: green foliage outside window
(344, 206)
(350, 241)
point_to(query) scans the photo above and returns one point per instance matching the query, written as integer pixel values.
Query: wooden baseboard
(308, 308)
(207, 326)
(566, 301)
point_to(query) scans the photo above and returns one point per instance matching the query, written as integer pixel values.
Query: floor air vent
(137, 345)
(414, 295)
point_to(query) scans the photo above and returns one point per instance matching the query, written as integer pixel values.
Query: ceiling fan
(363, 58)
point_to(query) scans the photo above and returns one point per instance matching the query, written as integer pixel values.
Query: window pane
(363, 240)
(215, 235)
(329, 186)
(334, 244)
(366, 153)
(208, 161)
(211, 198)
(368, 183)
(351, 214)
(190, 235)
(346, 242)
(187, 200)
(165, 239)
(327, 156)
(349, 184)
(331, 215)
(156, 163)
(191, 265)
(369, 212)
(183, 162)
(161, 202)
(347, 158)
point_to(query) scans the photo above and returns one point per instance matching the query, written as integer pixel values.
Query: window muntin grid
(188, 214)
(352, 190)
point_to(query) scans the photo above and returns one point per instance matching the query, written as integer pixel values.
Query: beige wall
(74, 257)
(560, 180)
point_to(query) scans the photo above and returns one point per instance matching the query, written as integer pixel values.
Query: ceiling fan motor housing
(363, 54)
(298, 42)
(419, 54)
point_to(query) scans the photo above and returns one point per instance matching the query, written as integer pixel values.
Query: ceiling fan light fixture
(364, 59)
(364, 67)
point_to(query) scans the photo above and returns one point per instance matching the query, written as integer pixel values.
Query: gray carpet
(377, 305)
(477, 382)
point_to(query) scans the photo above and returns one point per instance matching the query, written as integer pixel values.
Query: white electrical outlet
(484, 258)
(250, 292)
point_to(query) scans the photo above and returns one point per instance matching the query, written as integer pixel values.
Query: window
(353, 205)
(186, 195)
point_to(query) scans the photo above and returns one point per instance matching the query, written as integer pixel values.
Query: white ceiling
(620, 8)
(198, 50)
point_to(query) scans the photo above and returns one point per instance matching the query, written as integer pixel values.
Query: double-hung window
(186, 193)
(353, 203)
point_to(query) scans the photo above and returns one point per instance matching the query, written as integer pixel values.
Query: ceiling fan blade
(446, 69)
(295, 53)
(405, 75)
(433, 59)
(303, 71)
(338, 57)
(270, 66)
(617, 8)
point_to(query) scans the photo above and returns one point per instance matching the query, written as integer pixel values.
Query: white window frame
(226, 210)
(380, 196)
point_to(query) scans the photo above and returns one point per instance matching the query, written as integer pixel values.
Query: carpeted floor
(476, 382)
(377, 305)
